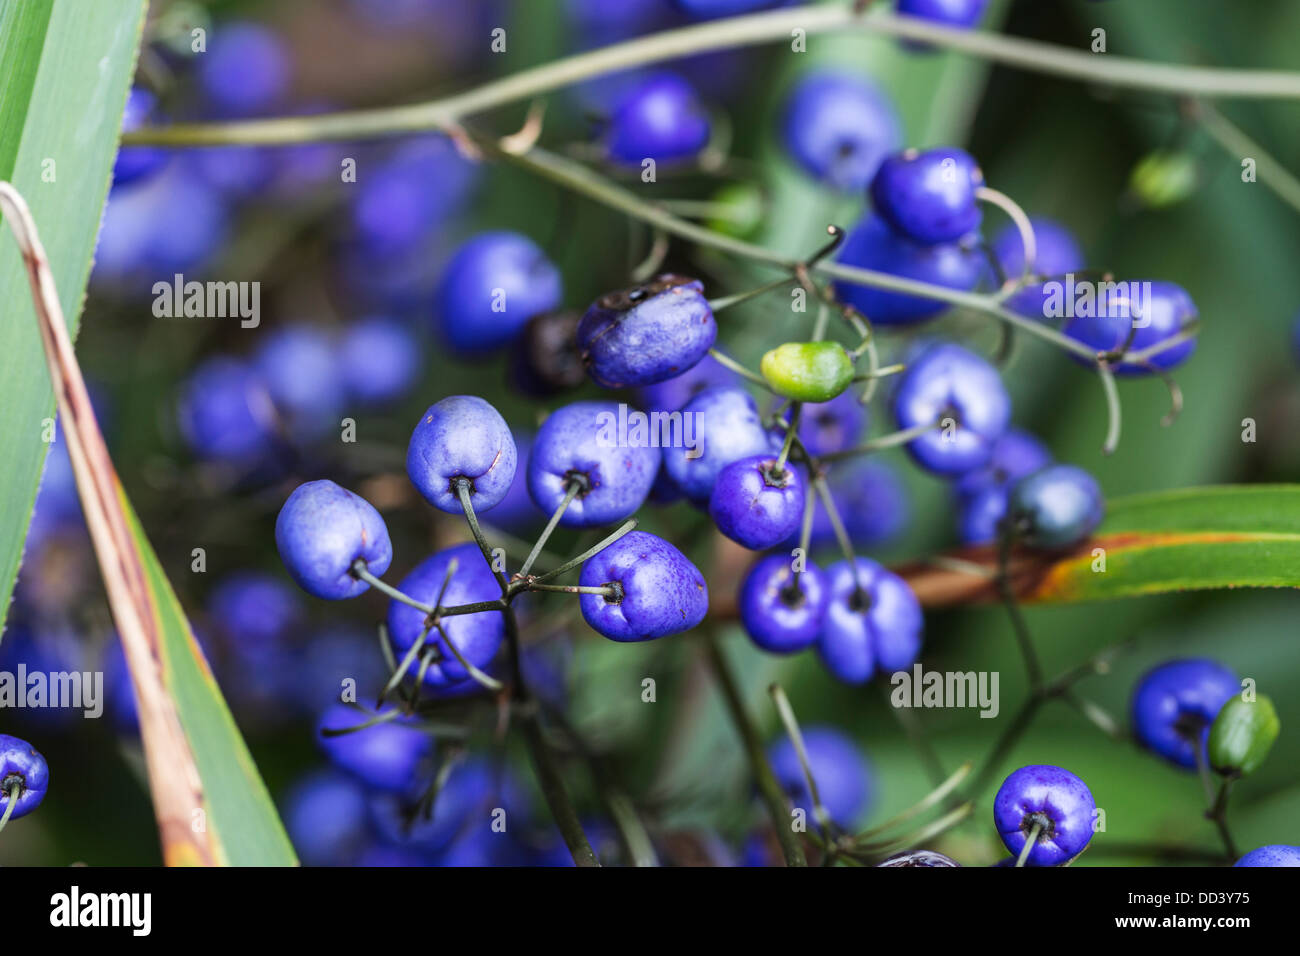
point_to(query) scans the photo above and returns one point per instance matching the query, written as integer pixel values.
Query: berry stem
(480, 677)
(401, 670)
(768, 787)
(604, 589)
(727, 301)
(1113, 412)
(1017, 215)
(728, 362)
(791, 723)
(1006, 540)
(805, 539)
(595, 549)
(841, 536)
(462, 491)
(915, 733)
(1029, 844)
(1237, 145)
(359, 570)
(10, 803)
(892, 440)
(779, 468)
(1218, 812)
(575, 486)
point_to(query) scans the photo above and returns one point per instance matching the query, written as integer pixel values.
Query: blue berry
(494, 284)
(872, 501)
(226, 412)
(959, 14)
(843, 776)
(918, 858)
(1057, 254)
(1167, 311)
(648, 333)
(137, 162)
(929, 197)
(660, 591)
(388, 755)
(335, 660)
(516, 512)
(659, 118)
(407, 195)
(322, 530)
(471, 791)
(874, 245)
(782, 612)
(254, 609)
(1051, 797)
(754, 504)
(24, 770)
(839, 127)
(727, 428)
(1056, 507)
(581, 443)
(951, 387)
(709, 9)
(1175, 703)
(982, 493)
(461, 438)
(476, 636)
(1275, 854)
(299, 365)
(672, 394)
(244, 71)
(877, 628)
(325, 815)
(379, 360)
(829, 427)
(236, 172)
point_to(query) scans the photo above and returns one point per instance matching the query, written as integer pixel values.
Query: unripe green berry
(738, 210)
(808, 371)
(1162, 178)
(1242, 735)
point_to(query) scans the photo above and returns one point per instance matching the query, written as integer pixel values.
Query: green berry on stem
(808, 371)
(1242, 735)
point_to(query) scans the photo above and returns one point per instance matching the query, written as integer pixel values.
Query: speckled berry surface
(23, 768)
(662, 592)
(1175, 703)
(727, 427)
(755, 505)
(1052, 796)
(322, 530)
(952, 388)
(461, 437)
(1276, 854)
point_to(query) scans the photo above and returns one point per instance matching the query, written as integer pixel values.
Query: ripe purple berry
(754, 504)
(300, 367)
(461, 439)
(323, 530)
(841, 772)
(1056, 507)
(1275, 854)
(875, 628)
(24, 777)
(660, 118)
(582, 443)
(226, 413)
(839, 127)
(647, 334)
(388, 756)
(929, 197)
(379, 360)
(918, 858)
(476, 636)
(659, 591)
(325, 815)
(494, 284)
(1175, 704)
(982, 494)
(874, 245)
(1151, 318)
(1055, 801)
(960, 14)
(244, 71)
(783, 612)
(959, 393)
(1057, 254)
(727, 428)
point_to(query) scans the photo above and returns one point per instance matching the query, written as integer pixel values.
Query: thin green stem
(603, 589)
(463, 492)
(1218, 812)
(790, 430)
(1029, 844)
(726, 361)
(1240, 146)
(10, 803)
(575, 487)
(590, 552)
(1018, 624)
(791, 724)
(479, 677)
(359, 570)
(726, 302)
(892, 440)
(768, 787)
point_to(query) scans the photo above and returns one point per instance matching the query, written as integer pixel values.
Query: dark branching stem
(1006, 541)
(768, 787)
(1218, 812)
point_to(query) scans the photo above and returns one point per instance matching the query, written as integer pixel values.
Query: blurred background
(349, 329)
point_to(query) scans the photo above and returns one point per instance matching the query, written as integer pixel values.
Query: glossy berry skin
(727, 428)
(494, 284)
(325, 816)
(948, 381)
(388, 756)
(929, 197)
(582, 441)
(1165, 313)
(1057, 254)
(461, 437)
(21, 767)
(844, 779)
(321, 532)
(874, 245)
(754, 505)
(244, 71)
(476, 636)
(662, 591)
(776, 617)
(379, 360)
(1056, 507)
(299, 365)
(807, 371)
(982, 494)
(255, 609)
(226, 412)
(137, 162)
(659, 118)
(1276, 854)
(839, 127)
(884, 635)
(919, 858)
(1175, 704)
(959, 14)
(1050, 795)
(648, 333)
